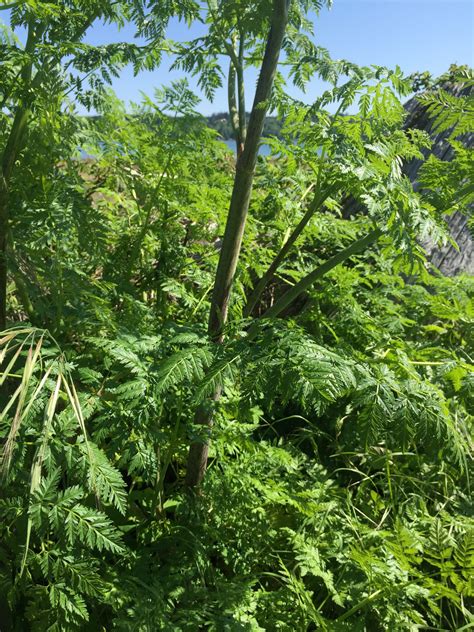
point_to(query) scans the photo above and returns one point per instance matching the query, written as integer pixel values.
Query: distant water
(264, 150)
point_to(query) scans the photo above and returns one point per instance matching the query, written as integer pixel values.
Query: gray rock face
(448, 260)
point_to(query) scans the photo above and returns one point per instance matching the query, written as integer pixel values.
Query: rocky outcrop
(449, 260)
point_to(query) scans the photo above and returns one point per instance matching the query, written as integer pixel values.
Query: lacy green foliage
(60, 488)
(338, 494)
(67, 62)
(447, 185)
(285, 535)
(282, 546)
(236, 30)
(453, 113)
(97, 222)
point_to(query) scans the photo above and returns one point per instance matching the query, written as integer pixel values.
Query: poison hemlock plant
(338, 489)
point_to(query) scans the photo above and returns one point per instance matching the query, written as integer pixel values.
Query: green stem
(357, 246)
(245, 169)
(360, 605)
(241, 97)
(23, 295)
(235, 226)
(4, 195)
(318, 201)
(232, 101)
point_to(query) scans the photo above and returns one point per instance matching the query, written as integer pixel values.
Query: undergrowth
(338, 491)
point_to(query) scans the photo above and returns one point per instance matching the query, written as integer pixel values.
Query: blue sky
(415, 34)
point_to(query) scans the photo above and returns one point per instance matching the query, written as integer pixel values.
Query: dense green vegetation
(333, 386)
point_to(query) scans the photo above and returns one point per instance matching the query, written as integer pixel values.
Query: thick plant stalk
(234, 230)
(357, 246)
(199, 450)
(245, 169)
(236, 100)
(233, 112)
(262, 283)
